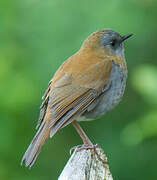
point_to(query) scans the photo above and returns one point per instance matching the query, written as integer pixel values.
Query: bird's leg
(82, 134)
(87, 143)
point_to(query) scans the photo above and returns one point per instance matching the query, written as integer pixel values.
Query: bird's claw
(83, 146)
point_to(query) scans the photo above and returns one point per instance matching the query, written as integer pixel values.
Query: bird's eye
(113, 42)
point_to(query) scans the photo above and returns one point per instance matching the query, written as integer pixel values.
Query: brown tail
(36, 144)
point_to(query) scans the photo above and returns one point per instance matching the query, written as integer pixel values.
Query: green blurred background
(35, 38)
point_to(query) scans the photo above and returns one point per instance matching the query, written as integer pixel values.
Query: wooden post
(87, 165)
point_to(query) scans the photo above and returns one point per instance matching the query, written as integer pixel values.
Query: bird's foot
(83, 146)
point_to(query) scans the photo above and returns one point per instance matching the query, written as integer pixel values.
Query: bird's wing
(70, 94)
(43, 106)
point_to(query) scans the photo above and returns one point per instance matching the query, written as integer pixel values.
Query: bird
(85, 87)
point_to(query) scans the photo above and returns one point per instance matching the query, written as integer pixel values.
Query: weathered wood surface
(87, 165)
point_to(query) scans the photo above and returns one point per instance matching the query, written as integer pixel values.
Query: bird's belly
(111, 97)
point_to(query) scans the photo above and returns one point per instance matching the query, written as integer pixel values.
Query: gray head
(107, 41)
(114, 41)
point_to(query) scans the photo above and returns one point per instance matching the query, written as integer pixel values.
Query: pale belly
(111, 97)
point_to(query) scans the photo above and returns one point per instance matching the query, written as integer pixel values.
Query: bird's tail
(34, 148)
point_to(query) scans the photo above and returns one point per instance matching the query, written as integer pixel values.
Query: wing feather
(74, 111)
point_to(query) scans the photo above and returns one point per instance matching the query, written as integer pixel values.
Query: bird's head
(106, 42)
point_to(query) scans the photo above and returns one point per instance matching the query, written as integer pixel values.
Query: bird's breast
(111, 97)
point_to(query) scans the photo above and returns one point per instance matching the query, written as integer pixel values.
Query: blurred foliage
(35, 38)
(144, 80)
